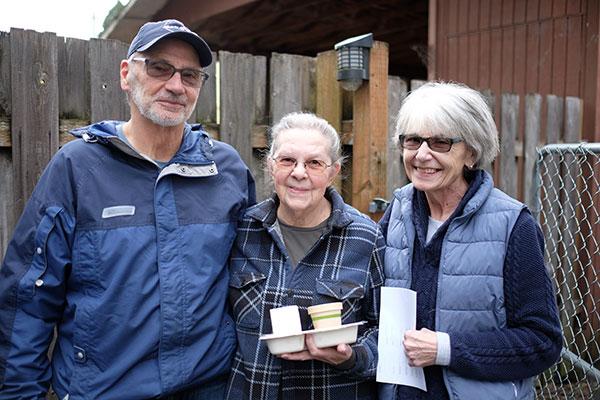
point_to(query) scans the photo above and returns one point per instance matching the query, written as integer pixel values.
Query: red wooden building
(520, 46)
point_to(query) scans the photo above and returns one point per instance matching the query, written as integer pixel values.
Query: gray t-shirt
(298, 241)
(122, 136)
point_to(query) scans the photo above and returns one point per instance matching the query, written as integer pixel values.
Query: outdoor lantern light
(353, 60)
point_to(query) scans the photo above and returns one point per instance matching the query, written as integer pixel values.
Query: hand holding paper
(421, 347)
(398, 314)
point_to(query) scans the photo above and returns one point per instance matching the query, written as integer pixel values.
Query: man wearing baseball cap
(124, 243)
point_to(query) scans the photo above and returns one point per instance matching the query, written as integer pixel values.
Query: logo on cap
(176, 27)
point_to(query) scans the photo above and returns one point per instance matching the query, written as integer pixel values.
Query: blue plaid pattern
(346, 265)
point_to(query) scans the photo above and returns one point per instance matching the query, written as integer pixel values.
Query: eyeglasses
(435, 143)
(312, 167)
(164, 71)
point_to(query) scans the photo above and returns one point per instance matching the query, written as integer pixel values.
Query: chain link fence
(567, 184)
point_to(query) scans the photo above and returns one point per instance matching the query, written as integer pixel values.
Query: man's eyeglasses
(312, 167)
(164, 71)
(435, 143)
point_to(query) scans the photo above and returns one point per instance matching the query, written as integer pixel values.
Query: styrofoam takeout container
(332, 336)
(278, 344)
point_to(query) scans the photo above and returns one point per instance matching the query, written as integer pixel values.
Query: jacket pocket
(33, 278)
(348, 292)
(246, 291)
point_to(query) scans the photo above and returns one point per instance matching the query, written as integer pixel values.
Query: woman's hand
(420, 347)
(330, 355)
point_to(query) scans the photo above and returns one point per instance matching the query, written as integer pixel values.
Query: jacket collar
(196, 146)
(266, 211)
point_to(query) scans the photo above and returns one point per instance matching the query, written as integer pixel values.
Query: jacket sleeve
(32, 286)
(365, 350)
(532, 339)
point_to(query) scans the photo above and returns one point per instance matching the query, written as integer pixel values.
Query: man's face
(165, 103)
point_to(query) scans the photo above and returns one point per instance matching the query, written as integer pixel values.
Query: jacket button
(38, 250)
(39, 282)
(80, 355)
(290, 293)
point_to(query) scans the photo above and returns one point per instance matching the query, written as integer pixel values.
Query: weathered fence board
(396, 177)
(34, 95)
(554, 126)
(569, 200)
(7, 212)
(555, 118)
(107, 99)
(73, 79)
(258, 167)
(243, 79)
(237, 99)
(292, 80)
(551, 196)
(490, 98)
(5, 104)
(574, 119)
(416, 83)
(206, 107)
(533, 127)
(509, 126)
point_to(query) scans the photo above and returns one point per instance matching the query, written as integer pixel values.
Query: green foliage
(113, 14)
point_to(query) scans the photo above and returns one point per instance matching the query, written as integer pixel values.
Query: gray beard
(137, 96)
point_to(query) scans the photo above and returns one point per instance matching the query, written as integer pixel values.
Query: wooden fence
(50, 84)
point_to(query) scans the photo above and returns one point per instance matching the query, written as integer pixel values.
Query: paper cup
(326, 315)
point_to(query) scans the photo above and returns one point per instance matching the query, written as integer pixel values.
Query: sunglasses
(435, 143)
(164, 71)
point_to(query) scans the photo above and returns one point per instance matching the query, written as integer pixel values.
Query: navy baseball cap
(152, 32)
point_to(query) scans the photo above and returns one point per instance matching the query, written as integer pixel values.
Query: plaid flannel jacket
(346, 264)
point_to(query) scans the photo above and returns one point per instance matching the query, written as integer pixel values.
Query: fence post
(370, 116)
(329, 96)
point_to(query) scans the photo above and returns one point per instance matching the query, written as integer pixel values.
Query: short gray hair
(307, 121)
(451, 109)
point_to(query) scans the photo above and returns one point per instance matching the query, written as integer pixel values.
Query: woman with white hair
(487, 321)
(304, 246)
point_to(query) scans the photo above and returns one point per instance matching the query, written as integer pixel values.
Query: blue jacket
(471, 285)
(129, 261)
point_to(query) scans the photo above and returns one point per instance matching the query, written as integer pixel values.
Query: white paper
(398, 314)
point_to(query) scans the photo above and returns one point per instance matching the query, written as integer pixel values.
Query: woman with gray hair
(304, 246)
(487, 321)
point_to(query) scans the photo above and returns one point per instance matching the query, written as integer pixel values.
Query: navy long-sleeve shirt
(532, 322)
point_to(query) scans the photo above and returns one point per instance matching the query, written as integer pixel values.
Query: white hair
(307, 121)
(451, 110)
